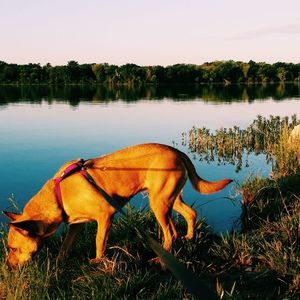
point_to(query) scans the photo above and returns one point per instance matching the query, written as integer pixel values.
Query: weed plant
(269, 136)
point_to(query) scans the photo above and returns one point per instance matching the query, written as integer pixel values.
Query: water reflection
(99, 94)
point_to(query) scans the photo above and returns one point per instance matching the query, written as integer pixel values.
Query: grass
(267, 249)
(124, 274)
(262, 261)
(269, 136)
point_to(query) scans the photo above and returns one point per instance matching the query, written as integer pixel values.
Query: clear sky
(149, 32)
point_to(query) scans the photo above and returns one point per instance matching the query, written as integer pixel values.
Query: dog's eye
(13, 249)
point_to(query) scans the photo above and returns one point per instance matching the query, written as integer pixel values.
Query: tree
(229, 71)
(217, 71)
(73, 71)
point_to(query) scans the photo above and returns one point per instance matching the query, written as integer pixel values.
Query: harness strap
(79, 167)
(109, 199)
(68, 171)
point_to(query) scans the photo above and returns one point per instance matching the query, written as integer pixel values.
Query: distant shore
(224, 72)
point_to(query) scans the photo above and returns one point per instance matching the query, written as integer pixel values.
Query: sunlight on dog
(158, 169)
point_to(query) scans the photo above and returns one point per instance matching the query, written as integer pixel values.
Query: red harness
(73, 168)
(79, 167)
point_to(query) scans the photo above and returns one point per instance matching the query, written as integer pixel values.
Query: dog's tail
(201, 185)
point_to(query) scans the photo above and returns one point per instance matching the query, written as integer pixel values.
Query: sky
(149, 32)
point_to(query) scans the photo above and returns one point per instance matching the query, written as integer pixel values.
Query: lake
(41, 127)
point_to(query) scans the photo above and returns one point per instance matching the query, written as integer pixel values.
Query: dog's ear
(10, 215)
(33, 227)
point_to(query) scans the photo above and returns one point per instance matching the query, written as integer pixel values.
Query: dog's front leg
(74, 230)
(104, 224)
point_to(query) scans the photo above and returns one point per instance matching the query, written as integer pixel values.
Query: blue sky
(149, 32)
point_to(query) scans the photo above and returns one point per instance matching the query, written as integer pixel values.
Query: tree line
(211, 72)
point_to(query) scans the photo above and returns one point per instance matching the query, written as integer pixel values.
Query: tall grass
(261, 262)
(125, 273)
(269, 136)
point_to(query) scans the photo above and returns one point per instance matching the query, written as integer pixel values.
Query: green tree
(252, 71)
(229, 71)
(73, 72)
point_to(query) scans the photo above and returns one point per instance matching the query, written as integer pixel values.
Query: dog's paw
(95, 260)
(104, 264)
(187, 237)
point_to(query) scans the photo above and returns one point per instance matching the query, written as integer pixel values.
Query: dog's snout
(10, 265)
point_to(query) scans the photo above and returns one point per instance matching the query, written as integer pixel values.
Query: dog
(158, 169)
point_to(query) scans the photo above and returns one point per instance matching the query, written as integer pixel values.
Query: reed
(268, 136)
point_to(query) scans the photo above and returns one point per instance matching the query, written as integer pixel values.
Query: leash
(79, 167)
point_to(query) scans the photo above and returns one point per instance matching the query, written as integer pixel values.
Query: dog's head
(24, 239)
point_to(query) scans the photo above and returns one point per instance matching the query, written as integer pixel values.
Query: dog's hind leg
(161, 208)
(188, 213)
(73, 231)
(173, 229)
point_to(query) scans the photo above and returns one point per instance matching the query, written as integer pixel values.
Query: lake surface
(43, 127)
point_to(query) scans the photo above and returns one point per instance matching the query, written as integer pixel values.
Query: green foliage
(270, 227)
(269, 136)
(214, 72)
(265, 199)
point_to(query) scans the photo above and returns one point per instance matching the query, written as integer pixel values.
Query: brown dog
(158, 169)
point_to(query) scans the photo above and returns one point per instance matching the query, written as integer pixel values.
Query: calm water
(42, 127)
